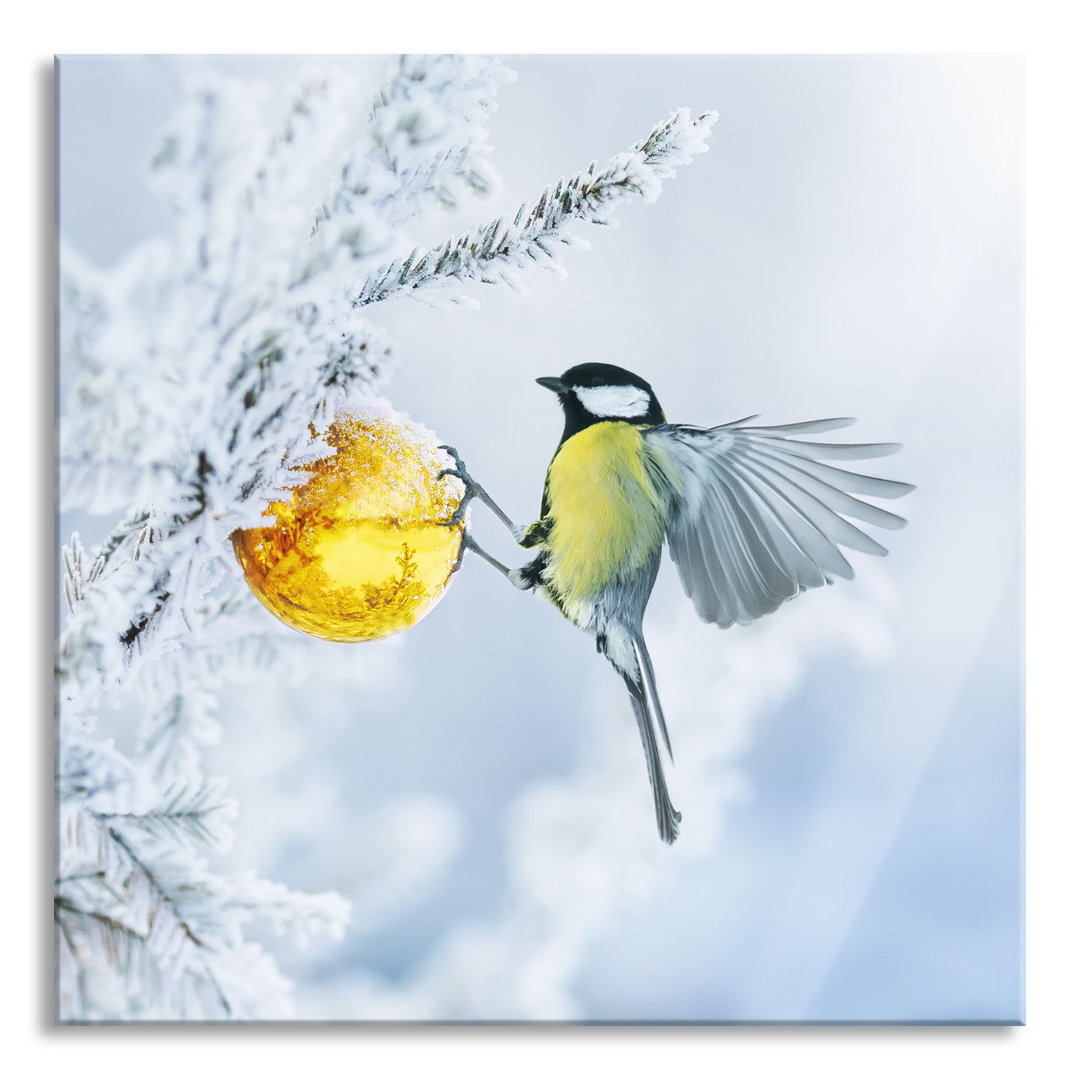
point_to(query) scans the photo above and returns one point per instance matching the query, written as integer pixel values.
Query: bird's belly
(607, 518)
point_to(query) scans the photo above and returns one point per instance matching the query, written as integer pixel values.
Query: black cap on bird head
(593, 393)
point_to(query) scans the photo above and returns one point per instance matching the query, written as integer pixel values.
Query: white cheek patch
(624, 401)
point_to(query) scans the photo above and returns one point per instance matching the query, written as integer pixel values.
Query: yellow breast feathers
(606, 514)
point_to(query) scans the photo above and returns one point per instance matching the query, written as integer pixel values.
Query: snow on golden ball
(358, 553)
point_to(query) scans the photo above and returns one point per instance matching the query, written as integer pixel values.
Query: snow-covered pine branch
(237, 336)
(200, 367)
(426, 132)
(145, 929)
(500, 250)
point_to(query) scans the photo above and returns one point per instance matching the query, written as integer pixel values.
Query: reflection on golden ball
(358, 553)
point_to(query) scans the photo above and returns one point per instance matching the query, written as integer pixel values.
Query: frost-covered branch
(132, 889)
(500, 250)
(200, 367)
(428, 146)
(240, 334)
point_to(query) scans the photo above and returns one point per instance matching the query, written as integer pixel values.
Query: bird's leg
(474, 491)
(469, 544)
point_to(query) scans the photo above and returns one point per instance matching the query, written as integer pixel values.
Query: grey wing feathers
(761, 517)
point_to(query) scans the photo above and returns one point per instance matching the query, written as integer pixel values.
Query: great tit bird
(752, 516)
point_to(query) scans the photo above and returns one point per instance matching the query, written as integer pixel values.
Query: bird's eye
(596, 380)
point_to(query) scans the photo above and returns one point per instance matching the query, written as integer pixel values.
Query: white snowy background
(851, 244)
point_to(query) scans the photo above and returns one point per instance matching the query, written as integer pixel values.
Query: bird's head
(591, 393)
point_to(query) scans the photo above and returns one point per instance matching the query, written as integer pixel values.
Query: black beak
(549, 382)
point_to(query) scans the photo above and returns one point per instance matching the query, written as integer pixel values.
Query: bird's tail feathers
(667, 817)
(649, 676)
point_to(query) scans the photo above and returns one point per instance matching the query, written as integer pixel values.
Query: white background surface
(1049, 1002)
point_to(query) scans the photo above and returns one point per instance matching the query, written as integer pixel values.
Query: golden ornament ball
(358, 551)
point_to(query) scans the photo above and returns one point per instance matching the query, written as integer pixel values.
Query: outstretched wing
(758, 517)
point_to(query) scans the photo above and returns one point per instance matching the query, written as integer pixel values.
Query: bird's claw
(465, 545)
(471, 486)
(458, 470)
